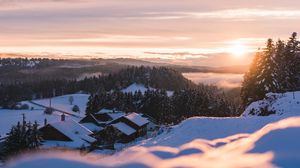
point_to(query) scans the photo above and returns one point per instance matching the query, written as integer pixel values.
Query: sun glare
(238, 49)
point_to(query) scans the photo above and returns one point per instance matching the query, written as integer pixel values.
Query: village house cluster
(104, 128)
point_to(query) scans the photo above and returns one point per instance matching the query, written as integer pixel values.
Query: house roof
(75, 131)
(104, 110)
(93, 127)
(137, 119)
(113, 114)
(116, 115)
(124, 128)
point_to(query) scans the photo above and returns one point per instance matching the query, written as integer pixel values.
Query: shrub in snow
(75, 108)
(25, 107)
(265, 111)
(48, 111)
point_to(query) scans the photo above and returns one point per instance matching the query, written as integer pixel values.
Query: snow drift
(278, 103)
(263, 148)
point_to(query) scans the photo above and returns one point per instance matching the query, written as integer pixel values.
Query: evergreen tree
(293, 67)
(21, 137)
(276, 69)
(267, 65)
(250, 89)
(281, 67)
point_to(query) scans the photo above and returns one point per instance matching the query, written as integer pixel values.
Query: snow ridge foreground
(276, 144)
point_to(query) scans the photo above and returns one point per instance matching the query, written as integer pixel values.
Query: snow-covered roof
(137, 119)
(113, 114)
(75, 131)
(104, 110)
(124, 128)
(108, 111)
(116, 115)
(92, 127)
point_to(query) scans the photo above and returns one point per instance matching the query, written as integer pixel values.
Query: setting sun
(238, 49)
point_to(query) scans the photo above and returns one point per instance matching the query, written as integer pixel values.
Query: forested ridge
(161, 78)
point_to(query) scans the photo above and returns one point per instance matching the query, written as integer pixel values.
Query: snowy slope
(281, 104)
(62, 103)
(11, 117)
(140, 87)
(136, 87)
(276, 144)
(252, 141)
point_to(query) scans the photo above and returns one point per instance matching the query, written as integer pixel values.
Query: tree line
(158, 77)
(275, 68)
(165, 108)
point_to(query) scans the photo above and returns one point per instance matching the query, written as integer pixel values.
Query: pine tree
(250, 90)
(292, 56)
(276, 69)
(281, 67)
(267, 66)
(22, 137)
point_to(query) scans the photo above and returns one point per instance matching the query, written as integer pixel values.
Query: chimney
(63, 117)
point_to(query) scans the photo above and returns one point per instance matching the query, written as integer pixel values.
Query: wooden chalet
(128, 128)
(72, 133)
(135, 121)
(102, 118)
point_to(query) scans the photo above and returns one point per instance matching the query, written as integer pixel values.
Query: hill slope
(256, 141)
(277, 103)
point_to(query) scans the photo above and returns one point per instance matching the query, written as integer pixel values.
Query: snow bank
(275, 144)
(280, 103)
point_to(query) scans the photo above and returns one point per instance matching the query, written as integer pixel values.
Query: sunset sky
(195, 32)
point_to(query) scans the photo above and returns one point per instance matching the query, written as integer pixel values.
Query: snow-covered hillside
(246, 141)
(275, 144)
(142, 88)
(62, 103)
(278, 103)
(136, 87)
(11, 117)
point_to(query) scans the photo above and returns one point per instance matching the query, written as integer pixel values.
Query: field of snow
(246, 141)
(11, 117)
(140, 87)
(62, 103)
(136, 87)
